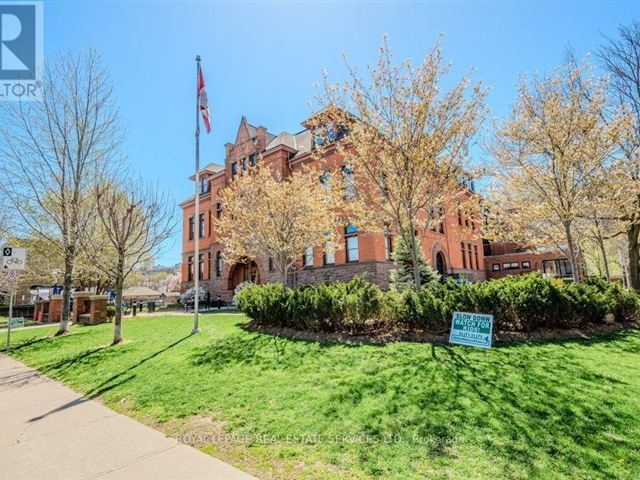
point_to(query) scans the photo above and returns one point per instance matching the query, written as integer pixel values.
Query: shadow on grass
(263, 350)
(36, 343)
(98, 354)
(527, 406)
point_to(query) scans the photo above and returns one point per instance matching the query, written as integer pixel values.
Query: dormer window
(205, 186)
(244, 163)
(253, 160)
(326, 134)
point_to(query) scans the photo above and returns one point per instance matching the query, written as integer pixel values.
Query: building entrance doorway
(243, 272)
(441, 266)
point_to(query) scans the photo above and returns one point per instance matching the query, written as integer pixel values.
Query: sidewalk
(50, 432)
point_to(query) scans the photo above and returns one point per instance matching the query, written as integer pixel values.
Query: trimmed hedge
(518, 304)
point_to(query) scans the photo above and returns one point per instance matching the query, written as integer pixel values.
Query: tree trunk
(633, 237)
(66, 297)
(417, 281)
(284, 274)
(117, 321)
(605, 259)
(572, 253)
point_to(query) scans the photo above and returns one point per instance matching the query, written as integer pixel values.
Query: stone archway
(246, 271)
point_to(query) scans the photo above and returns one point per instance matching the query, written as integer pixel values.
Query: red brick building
(512, 258)
(454, 249)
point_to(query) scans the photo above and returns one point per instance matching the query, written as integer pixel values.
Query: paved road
(49, 432)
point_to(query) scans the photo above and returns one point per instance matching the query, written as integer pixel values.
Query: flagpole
(196, 220)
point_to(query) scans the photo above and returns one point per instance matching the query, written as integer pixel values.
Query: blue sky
(261, 59)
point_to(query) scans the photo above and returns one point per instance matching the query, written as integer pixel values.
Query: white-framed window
(205, 186)
(349, 182)
(511, 266)
(526, 265)
(329, 253)
(308, 257)
(495, 267)
(351, 241)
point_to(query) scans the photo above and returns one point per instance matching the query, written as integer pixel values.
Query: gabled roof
(140, 292)
(210, 169)
(252, 130)
(300, 142)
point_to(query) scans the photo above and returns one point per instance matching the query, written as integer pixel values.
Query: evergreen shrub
(518, 304)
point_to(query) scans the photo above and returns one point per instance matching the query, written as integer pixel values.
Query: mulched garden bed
(380, 337)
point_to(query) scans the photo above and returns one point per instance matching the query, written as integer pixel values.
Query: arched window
(388, 243)
(441, 265)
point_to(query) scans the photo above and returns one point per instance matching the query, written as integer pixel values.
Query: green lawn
(402, 411)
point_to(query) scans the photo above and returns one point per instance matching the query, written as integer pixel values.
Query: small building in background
(512, 258)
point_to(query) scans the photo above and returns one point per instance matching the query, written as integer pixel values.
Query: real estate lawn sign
(17, 322)
(471, 329)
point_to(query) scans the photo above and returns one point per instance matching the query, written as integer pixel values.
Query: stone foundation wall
(471, 275)
(374, 272)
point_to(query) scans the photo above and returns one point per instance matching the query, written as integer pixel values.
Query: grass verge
(283, 408)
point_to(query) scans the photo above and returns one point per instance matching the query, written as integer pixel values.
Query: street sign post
(471, 329)
(13, 259)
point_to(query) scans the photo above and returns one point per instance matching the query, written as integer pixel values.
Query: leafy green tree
(402, 276)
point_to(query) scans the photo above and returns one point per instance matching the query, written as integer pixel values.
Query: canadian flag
(203, 102)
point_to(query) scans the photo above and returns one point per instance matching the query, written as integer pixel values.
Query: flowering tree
(551, 155)
(265, 214)
(188, 297)
(407, 142)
